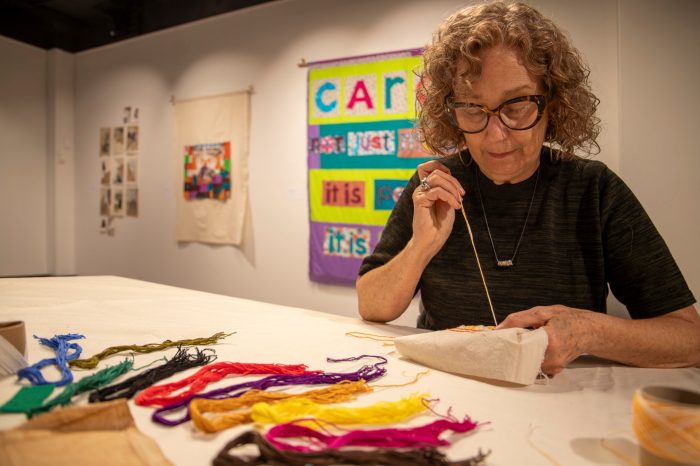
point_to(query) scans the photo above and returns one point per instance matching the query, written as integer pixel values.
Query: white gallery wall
(24, 235)
(261, 47)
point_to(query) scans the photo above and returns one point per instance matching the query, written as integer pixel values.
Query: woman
(506, 99)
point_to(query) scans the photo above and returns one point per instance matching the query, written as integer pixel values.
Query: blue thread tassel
(59, 343)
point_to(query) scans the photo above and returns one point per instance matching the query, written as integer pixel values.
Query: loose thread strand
(626, 458)
(539, 450)
(415, 379)
(387, 339)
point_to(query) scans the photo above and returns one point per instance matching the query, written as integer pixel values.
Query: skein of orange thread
(668, 429)
(342, 391)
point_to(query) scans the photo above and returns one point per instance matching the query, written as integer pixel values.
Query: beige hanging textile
(211, 167)
(512, 355)
(102, 433)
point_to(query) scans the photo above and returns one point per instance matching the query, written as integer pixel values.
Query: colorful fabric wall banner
(362, 149)
(211, 167)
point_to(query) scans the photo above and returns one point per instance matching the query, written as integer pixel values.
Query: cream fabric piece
(211, 120)
(512, 355)
(102, 433)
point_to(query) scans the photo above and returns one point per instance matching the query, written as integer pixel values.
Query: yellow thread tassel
(384, 412)
(342, 391)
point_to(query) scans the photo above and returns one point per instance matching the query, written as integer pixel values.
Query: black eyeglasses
(519, 114)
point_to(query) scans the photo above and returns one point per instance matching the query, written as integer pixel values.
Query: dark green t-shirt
(586, 231)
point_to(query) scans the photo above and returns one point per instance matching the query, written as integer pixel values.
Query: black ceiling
(76, 25)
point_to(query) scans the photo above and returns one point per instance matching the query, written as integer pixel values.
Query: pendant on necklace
(506, 263)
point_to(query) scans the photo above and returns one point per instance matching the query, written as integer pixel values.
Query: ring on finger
(424, 185)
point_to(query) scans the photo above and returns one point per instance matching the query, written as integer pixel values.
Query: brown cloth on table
(102, 433)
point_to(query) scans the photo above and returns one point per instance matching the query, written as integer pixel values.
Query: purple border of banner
(314, 158)
(334, 270)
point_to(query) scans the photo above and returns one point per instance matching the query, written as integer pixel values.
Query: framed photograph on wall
(118, 170)
(105, 171)
(118, 204)
(132, 166)
(132, 139)
(106, 225)
(105, 139)
(118, 140)
(105, 201)
(132, 202)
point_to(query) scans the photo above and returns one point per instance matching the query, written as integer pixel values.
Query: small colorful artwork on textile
(208, 171)
(362, 149)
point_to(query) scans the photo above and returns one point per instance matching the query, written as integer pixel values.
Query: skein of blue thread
(59, 343)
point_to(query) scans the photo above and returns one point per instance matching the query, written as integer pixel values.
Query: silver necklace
(507, 262)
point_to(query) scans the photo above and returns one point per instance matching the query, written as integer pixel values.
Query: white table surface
(564, 419)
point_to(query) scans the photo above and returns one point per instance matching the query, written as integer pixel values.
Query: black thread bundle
(127, 389)
(269, 455)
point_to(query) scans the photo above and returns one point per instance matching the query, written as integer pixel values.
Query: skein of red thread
(161, 395)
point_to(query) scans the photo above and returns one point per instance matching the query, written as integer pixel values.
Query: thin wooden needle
(478, 263)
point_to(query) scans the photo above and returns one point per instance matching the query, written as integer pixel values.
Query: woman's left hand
(569, 331)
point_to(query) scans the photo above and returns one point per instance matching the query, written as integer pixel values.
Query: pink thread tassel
(415, 437)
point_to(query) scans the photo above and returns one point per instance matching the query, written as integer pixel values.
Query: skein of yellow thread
(666, 422)
(342, 391)
(383, 412)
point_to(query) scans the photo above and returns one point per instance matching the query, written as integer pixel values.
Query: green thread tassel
(27, 398)
(91, 363)
(92, 382)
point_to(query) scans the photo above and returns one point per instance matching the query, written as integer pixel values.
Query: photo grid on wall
(362, 149)
(119, 150)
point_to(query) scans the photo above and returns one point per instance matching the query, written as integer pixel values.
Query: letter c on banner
(320, 104)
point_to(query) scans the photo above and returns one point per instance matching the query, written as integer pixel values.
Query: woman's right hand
(434, 208)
